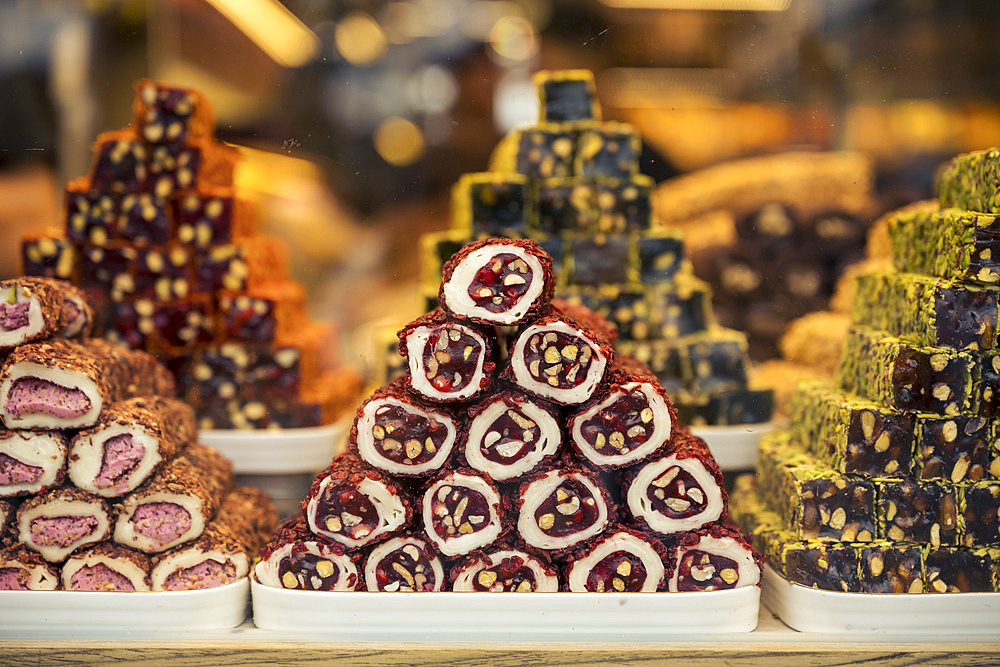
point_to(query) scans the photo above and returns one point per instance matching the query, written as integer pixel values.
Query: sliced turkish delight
(91, 215)
(713, 558)
(172, 168)
(404, 564)
(164, 113)
(299, 560)
(566, 95)
(607, 149)
(491, 204)
(501, 569)
(269, 312)
(661, 255)
(143, 219)
(106, 567)
(599, 259)
(623, 204)
(59, 521)
(891, 568)
(213, 216)
(911, 511)
(461, 513)
(31, 461)
(30, 309)
(558, 509)
(981, 503)
(952, 448)
(951, 243)
(620, 561)
(828, 566)
(22, 569)
(121, 163)
(543, 151)
(739, 406)
(961, 569)
(564, 205)
(48, 254)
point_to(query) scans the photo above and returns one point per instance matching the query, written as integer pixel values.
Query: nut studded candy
(213, 216)
(91, 215)
(607, 149)
(623, 204)
(396, 433)
(162, 273)
(891, 568)
(461, 513)
(404, 564)
(566, 95)
(109, 269)
(22, 569)
(950, 243)
(510, 435)
(8, 511)
(59, 521)
(969, 181)
(713, 558)
(355, 505)
(502, 569)
(497, 281)
(106, 567)
(143, 219)
(448, 361)
(962, 569)
(955, 449)
(48, 254)
(121, 162)
(558, 509)
(491, 204)
(172, 168)
(271, 311)
(243, 264)
(827, 566)
(910, 511)
(620, 561)
(598, 259)
(564, 204)
(30, 461)
(298, 559)
(169, 114)
(981, 503)
(543, 151)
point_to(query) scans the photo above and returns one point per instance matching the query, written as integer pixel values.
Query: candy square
(624, 205)
(981, 508)
(143, 219)
(91, 216)
(568, 95)
(120, 163)
(661, 255)
(491, 204)
(910, 511)
(599, 259)
(952, 448)
(565, 205)
(891, 568)
(162, 273)
(608, 149)
(962, 570)
(48, 254)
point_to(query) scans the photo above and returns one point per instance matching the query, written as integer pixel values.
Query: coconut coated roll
(106, 567)
(560, 508)
(501, 569)
(356, 505)
(461, 512)
(30, 310)
(130, 441)
(510, 435)
(395, 432)
(60, 521)
(22, 569)
(300, 560)
(175, 505)
(620, 561)
(713, 558)
(404, 564)
(448, 361)
(31, 461)
(497, 281)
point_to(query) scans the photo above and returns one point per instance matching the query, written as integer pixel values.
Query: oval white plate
(279, 451)
(734, 447)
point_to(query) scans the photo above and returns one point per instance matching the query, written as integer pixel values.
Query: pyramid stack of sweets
(556, 467)
(572, 183)
(772, 234)
(171, 256)
(102, 484)
(889, 480)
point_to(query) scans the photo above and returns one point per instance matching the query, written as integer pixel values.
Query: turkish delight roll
(558, 509)
(22, 569)
(448, 360)
(502, 569)
(510, 435)
(31, 461)
(713, 558)
(461, 512)
(59, 521)
(397, 433)
(627, 421)
(299, 559)
(175, 505)
(222, 554)
(497, 281)
(106, 567)
(30, 309)
(406, 564)
(620, 561)
(355, 505)
(77, 314)
(677, 492)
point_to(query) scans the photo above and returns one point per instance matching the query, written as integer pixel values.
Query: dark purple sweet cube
(143, 219)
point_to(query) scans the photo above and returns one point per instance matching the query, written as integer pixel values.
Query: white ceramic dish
(278, 452)
(76, 612)
(734, 447)
(948, 615)
(523, 617)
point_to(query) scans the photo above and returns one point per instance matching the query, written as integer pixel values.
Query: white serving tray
(734, 447)
(79, 613)
(948, 615)
(464, 617)
(278, 451)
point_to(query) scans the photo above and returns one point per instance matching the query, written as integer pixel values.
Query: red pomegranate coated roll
(355, 505)
(629, 420)
(501, 569)
(107, 567)
(497, 281)
(558, 509)
(59, 521)
(31, 461)
(297, 559)
(559, 360)
(448, 360)
(30, 310)
(22, 569)
(461, 513)
(396, 433)
(404, 564)
(620, 561)
(713, 558)
(677, 492)
(510, 435)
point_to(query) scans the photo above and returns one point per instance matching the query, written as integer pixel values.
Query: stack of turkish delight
(169, 253)
(572, 183)
(517, 453)
(889, 480)
(102, 484)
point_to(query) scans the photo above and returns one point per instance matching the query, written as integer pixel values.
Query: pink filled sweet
(61, 531)
(14, 316)
(13, 579)
(161, 522)
(207, 574)
(29, 395)
(121, 455)
(99, 577)
(13, 471)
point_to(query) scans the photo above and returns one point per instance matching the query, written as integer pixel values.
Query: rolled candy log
(621, 560)
(497, 281)
(448, 360)
(677, 492)
(129, 442)
(78, 315)
(502, 569)
(176, 504)
(461, 512)
(22, 569)
(30, 310)
(560, 508)
(299, 559)
(714, 557)
(510, 435)
(106, 567)
(629, 419)
(31, 461)
(222, 554)
(60, 521)
(355, 504)
(404, 564)
(395, 432)
(139, 373)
